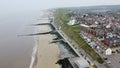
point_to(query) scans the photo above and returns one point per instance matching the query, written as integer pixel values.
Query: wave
(34, 54)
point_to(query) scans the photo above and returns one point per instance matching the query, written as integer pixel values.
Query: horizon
(87, 6)
(14, 6)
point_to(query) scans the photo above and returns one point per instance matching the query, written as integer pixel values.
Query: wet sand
(47, 53)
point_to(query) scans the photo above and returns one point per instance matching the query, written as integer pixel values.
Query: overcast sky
(23, 5)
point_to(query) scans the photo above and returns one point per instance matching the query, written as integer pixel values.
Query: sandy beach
(47, 53)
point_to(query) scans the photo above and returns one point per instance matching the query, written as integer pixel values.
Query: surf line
(34, 53)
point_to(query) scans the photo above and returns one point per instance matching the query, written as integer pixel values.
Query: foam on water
(34, 53)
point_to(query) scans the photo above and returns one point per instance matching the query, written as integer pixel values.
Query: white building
(71, 22)
(108, 51)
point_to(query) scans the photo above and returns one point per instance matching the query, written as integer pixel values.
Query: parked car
(105, 58)
(109, 62)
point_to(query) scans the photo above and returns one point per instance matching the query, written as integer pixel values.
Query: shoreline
(34, 51)
(45, 54)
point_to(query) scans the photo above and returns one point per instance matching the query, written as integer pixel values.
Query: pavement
(114, 61)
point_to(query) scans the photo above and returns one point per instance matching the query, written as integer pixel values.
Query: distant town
(95, 30)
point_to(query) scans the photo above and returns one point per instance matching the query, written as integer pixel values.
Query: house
(71, 22)
(108, 51)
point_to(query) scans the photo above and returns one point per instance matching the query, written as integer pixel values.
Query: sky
(23, 5)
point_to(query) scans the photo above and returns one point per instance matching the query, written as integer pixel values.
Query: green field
(62, 17)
